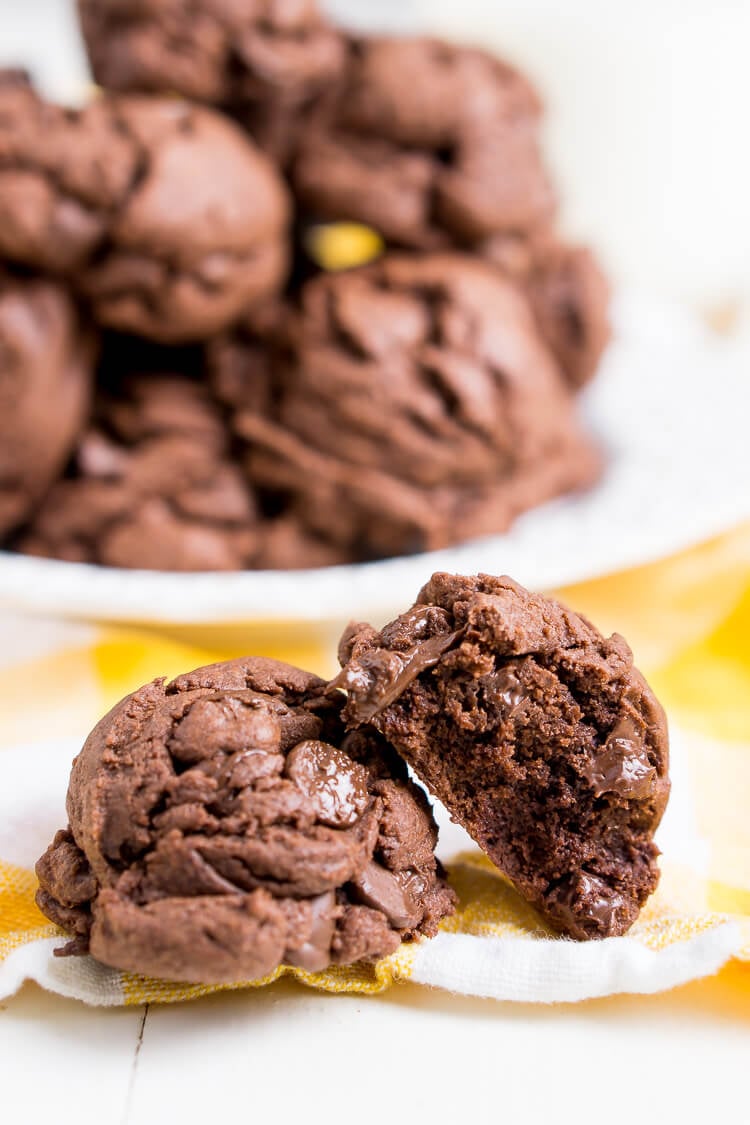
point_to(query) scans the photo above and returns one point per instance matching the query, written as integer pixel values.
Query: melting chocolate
(506, 685)
(622, 766)
(587, 897)
(417, 621)
(229, 721)
(377, 678)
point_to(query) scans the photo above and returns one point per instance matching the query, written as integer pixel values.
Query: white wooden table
(287, 1054)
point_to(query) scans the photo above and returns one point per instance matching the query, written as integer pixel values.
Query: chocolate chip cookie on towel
(535, 731)
(224, 823)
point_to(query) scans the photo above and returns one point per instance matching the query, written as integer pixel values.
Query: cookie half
(535, 731)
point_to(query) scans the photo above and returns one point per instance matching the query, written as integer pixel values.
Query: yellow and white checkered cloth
(688, 620)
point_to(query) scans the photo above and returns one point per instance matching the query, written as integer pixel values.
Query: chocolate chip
(377, 678)
(336, 786)
(314, 954)
(586, 900)
(622, 765)
(378, 888)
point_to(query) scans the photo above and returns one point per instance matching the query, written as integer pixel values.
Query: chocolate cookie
(263, 60)
(431, 143)
(162, 213)
(537, 733)
(416, 406)
(570, 296)
(152, 485)
(223, 824)
(286, 543)
(46, 365)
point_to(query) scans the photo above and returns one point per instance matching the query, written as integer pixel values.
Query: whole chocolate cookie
(415, 406)
(162, 213)
(46, 362)
(263, 60)
(152, 484)
(536, 732)
(223, 824)
(432, 143)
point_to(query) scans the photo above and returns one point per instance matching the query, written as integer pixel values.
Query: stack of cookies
(187, 381)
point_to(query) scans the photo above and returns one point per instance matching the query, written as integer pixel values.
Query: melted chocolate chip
(418, 618)
(507, 686)
(336, 786)
(412, 881)
(247, 766)
(378, 888)
(379, 677)
(587, 897)
(622, 766)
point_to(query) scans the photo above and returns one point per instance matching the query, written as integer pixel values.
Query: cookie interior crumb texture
(536, 732)
(224, 823)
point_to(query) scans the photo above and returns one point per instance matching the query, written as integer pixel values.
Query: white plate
(670, 406)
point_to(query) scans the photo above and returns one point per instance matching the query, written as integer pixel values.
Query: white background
(646, 130)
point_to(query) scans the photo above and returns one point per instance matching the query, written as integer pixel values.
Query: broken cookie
(534, 730)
